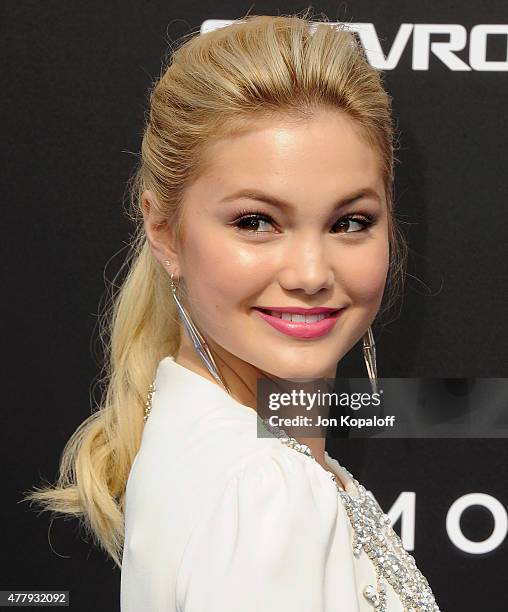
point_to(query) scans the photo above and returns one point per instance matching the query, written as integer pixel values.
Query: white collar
(178, 383)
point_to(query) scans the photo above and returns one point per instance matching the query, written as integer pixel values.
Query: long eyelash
(365, 219)
(243, 214)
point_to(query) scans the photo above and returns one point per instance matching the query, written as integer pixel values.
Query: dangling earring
(369, 354)
(197, 339)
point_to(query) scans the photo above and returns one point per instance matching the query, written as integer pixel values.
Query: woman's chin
(302, 374)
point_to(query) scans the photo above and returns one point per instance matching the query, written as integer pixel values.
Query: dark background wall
(75, 82)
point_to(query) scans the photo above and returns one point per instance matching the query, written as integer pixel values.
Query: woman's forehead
(329, 155)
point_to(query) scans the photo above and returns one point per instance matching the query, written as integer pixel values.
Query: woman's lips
(301, 329)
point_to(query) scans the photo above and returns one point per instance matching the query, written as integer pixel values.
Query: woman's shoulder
(215, 466)
(280, 486)
(264, 541)
(222, 451)
(233, 523)
(170, 491)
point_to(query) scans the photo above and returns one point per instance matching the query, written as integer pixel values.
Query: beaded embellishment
(373, 534)
(148, 403)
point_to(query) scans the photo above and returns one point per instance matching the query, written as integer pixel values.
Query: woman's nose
(306, 266)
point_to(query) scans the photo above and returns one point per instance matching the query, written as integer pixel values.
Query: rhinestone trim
(148, 403)
(374, 535)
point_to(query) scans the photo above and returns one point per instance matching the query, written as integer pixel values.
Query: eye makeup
(244, 217)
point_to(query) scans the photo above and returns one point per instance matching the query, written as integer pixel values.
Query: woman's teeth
(297, 318)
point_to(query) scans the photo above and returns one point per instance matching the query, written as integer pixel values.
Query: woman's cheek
(244, 273)
(365, 275)
(222, 280)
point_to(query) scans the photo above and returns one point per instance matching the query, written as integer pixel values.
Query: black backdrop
(75, 80)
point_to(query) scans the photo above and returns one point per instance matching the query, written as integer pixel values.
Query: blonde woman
(266, 242)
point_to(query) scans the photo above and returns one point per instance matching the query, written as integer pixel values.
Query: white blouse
(218, 519)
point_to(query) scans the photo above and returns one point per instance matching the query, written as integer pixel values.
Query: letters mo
(404, 509)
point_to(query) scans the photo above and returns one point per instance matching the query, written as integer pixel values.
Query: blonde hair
(213, 84)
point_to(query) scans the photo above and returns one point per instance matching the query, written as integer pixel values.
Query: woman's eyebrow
(260, 196)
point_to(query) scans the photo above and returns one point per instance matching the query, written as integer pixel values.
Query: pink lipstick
(300, 322)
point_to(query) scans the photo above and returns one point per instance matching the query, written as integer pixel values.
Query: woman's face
(272, 223)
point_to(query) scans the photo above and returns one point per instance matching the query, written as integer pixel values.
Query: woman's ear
(158, 231)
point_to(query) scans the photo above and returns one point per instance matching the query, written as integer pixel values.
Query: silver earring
(196, 337)
(369, 354)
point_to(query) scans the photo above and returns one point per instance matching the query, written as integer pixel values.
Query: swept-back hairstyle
(211, 85)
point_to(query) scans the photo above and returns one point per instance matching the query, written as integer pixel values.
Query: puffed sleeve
(263, 544)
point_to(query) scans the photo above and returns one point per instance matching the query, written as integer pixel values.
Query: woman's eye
(254, 223)
(362, 222)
